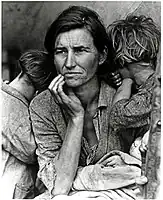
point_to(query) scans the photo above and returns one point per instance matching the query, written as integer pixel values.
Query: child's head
(134, 39)
(38, 66)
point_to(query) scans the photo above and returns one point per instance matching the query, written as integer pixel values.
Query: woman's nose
(70, 60)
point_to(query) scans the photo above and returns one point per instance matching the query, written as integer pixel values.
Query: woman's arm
(68, 158)
(58, 159)
(67, 162)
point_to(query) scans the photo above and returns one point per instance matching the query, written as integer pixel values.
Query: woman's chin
(72, 83)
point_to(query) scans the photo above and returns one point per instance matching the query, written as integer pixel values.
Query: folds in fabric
(98, 177)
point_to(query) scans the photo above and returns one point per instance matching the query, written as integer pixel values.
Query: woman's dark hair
(134, 39)
(39, 68)
(79, 17)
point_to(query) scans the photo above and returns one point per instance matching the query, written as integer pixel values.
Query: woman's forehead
(75, 37)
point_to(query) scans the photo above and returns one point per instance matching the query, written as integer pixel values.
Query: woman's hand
(113, 161)
(69, 101)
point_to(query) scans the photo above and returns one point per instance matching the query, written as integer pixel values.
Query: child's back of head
(134, 39)
(39, 68)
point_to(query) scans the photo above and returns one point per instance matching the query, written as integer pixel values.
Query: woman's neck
(88, 92)
(20, 84)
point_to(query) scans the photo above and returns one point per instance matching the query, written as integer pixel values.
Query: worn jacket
(18, 146)
(133, 112)
(49, 123)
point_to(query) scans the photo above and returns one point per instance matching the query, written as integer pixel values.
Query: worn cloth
(98, 177)
(18, 146)
(104, 182)
(99, 182)
(117, 194)
(134, 112)
(49, 125)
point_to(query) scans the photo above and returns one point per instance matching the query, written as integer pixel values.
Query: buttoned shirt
(49, 123)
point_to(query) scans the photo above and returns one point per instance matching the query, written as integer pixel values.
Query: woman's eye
(60, 51)
(79, 50)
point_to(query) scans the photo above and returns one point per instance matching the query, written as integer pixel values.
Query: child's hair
(39, 68)
(134, 39)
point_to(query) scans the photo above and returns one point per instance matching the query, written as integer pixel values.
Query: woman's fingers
(70, 100)
(54, 81)
(111, 163)
(59, 90)
(65, 99)
(54, 85)
(105, 162)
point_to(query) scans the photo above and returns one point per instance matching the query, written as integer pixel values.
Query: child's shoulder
(148, 84)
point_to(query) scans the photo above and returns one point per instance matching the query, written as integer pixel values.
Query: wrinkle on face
(78, 39)
(75, 52)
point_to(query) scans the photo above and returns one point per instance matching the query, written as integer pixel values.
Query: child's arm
(124, 91)
(135, 111)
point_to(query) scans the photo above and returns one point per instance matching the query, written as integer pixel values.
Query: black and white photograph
(80, 100)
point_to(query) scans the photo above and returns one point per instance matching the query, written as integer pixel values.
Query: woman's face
(76, 57)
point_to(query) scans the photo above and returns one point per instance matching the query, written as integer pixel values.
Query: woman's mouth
(71, 74)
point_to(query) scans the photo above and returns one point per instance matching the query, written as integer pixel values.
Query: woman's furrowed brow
(81, 46)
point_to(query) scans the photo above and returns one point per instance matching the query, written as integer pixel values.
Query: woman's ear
(103, 56)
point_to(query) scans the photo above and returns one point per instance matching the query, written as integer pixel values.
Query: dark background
(24, 23)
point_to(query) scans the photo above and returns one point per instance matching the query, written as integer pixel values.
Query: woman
(71, 119)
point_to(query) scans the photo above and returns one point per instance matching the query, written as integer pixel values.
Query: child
(135, 42)
(19, 162)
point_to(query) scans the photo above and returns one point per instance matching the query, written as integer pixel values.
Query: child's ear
(103, 56)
